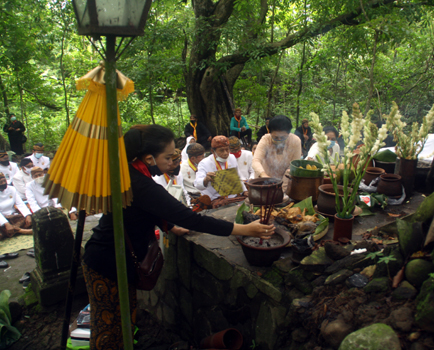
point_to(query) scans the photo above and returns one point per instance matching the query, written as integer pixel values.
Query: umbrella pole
(73, 277)
(116, 196)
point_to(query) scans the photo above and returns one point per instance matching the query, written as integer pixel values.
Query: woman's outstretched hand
(254, 229)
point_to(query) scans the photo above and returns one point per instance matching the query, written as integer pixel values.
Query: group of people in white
(21, 191)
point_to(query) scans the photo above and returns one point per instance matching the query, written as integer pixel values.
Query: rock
(374, 337)
(356, 281)
(338, 277)
(402, 319)
(411, 237)
(425, 210)
(391, 268)
(425, 306)
(299, 335)
(377, 285)
(350, 262)
(283, 266)
(274, 278)
(417, 271)
(418, 346)
(317, 261)
(405, 291)
(369, 246)
(319, 281)
(16, 310)
(334, 332)
(295, 277)
(335, 251)
(369, 271)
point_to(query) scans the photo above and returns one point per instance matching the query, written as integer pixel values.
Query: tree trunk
(5, 96)
(270, 89)
(300, 85)
(371, 73)
(62, 72)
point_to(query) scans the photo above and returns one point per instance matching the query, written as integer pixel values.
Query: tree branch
(43, 103)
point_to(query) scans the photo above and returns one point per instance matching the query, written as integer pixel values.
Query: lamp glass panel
(82, 12)
(125, 13)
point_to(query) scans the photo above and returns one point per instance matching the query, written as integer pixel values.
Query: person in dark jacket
(15, 129)
(199, 131)
(149, 150)
(304, 132)
(263, 130)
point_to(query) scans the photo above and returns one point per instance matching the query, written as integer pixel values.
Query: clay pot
(303, 187)
(230, 339)
(264, 256)
(326, 199)
(390, 185)
(389, 167)
(265, 191)
(343, 228)
(356, 159)
(372, 173)
(407, 171)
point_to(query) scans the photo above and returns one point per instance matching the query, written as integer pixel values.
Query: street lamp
(112, 18)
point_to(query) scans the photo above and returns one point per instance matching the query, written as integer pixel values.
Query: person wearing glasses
(277, 150)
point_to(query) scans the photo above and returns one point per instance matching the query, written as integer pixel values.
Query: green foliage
(374, 255)
(8, 333)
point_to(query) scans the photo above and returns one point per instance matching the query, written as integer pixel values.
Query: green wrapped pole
(116, 195)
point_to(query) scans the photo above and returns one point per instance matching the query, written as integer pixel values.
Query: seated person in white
(333, 148)
(11, 222)
(195, 152)
(9, 169)
(219, 159)
(244, 159)
(23, 177)
(38, 158)
(173, 174)
(184, 156)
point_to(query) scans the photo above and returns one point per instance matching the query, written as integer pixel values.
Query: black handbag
(23, 138)
(148, 270)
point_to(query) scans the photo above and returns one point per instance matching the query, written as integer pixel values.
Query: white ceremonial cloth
(189, 175)
(8, 198)
(43, 162)
(208, 165)
(161, 180)
(21, 179)
(37, 199)
(184, 155)
(9, 171)
(245, 165)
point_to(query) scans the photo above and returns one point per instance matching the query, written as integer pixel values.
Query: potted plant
(372, 141)
(409, 143)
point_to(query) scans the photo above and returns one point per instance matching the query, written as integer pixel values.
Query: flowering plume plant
(372, 141)
(408, 144)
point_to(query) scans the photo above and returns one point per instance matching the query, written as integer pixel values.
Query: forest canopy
(208, 57)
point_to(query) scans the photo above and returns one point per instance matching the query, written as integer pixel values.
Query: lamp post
(112, 18)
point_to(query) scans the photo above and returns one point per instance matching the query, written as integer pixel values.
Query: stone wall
(207, 286)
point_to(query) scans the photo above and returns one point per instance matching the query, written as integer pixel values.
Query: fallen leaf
(398, 278)
(377, 241)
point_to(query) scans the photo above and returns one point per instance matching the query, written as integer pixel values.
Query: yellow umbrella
(79, 174)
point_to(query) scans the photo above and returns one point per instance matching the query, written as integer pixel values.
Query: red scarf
(141, 167)
(237, 154)
(239, 124)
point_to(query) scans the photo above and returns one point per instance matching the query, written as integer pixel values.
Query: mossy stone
(377, 285)
(417, 271)
(425, 306)
(374, 337)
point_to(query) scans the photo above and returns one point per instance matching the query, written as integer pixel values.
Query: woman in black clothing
(150, 149)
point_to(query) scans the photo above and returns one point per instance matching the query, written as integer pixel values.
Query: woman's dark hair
(280, 123)
(327, 129)
(147, 139)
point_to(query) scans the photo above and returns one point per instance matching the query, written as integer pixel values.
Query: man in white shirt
(38, 158)
(173, 174)
(244, 159)
(23, 177)
(220, 159)
(333, 148)
(11, 222)
(195, 152)
(9, 169)
(35, 192)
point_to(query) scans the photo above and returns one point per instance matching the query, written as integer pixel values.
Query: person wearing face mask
(9, 169)
(149, 150)
(15, 129)
(38, 158)
(333, 149)
(244, 159)
(173, 174)
(276, 151)
(11, 221)
(23, 177)
(220, 159)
